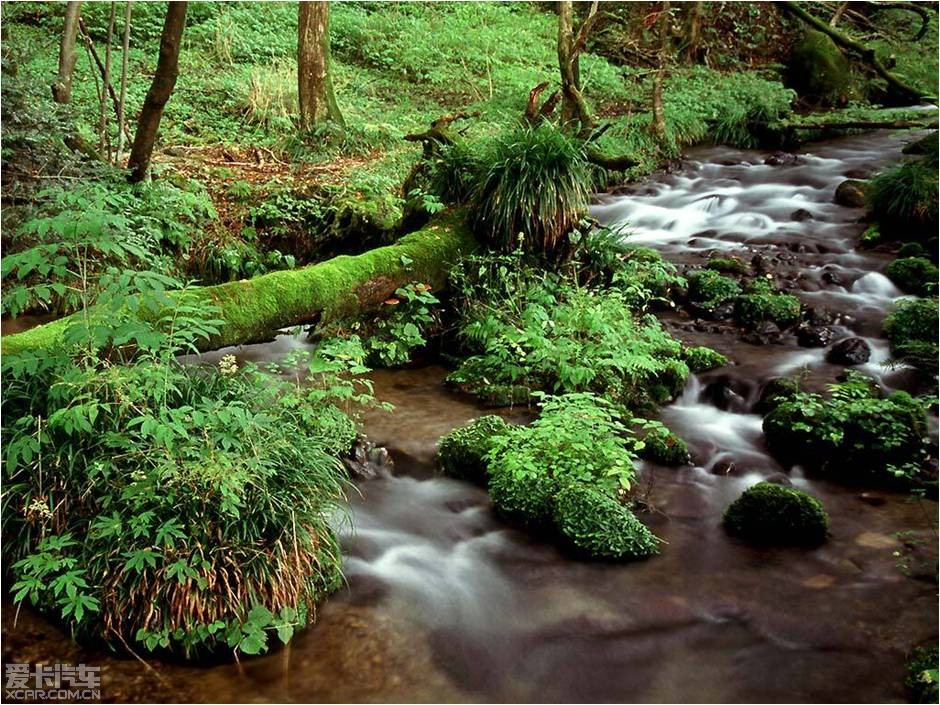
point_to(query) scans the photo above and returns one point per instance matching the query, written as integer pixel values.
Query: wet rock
(766, 333)
(775, 392)
(819, 316)
(851, 193)
(760, 264)
(832, 278)
(875, 499)
(723, 467)
(814, 336)
(858, 173)
(778, 478)
(366, 460)
(782, 159)
(851, 351)
(800, 215)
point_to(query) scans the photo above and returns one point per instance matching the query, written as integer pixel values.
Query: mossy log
(253, 309)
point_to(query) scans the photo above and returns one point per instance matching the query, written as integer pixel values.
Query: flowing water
(445, 602)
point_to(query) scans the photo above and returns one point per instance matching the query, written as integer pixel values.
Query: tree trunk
(314, 81)
(694, 33)
(254, 310)
(659, 115)
(573, 108)
(62, 88)
(164, 80)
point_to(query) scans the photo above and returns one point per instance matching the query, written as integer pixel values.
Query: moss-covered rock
(462, 452)
(819, 71)
(922, 679)
(664, 447)
(911, 249)
(750, 310)
(914, 275)
(775, 392)
(702, 359)
(597, 524)
(851, 193)
(870, 237)
(770, 514)
(728, 265)
(709, 289)
(912, 330)
(854, 433)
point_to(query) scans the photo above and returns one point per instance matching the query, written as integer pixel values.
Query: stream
(446, 602)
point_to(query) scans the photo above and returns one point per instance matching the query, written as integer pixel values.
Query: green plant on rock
(760, 304)
(180, 508)
(914, 275)
(709, 289)
(599, 525)
(923, 681)
(774, 514)
(645, 277)
(853, 434)
(819, 71)
(702, 359)
(728, 265)
(462, 452)
(398, 333)
(664, 447)
(912, 329)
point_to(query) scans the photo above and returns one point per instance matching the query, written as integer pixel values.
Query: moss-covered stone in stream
(728, 265)
(853, 433)
(770, 514)
(702, 359)
(462, 452)
(664, 447)
(761, 304)
(775, 392)
(254, 309)
(819, 71)
(709, 289)
(600, 526)
(914, 275)
(912, 329)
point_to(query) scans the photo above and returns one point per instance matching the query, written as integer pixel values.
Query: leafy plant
(912, 329)
(403, 330)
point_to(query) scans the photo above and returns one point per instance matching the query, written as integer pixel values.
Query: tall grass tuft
(533, 189)
(905, 198)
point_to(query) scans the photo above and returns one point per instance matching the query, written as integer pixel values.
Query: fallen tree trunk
(253, 309)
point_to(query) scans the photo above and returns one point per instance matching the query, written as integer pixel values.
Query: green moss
(773, 514)
(665, 448)
(728, 265)
(922, 678)
(709, 289)
(761, 304)
(336, 288)
(911, 249)
(912, 330)
(596, 524)
(914, 275)
(819, 71)
(777, 391)
(702, 359)
(461, 453)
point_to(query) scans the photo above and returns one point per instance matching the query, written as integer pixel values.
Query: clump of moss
(728, 265)
(912, 330)
(819, 72)
(702, 359)
(775, 392)
(462, 452)
(914, 275)
(761, 304)
(709, 289)
(853, 433)
(922, 678)
(664, 447)
(871, 236)
(597, 524)
(911, 249)
(776, 515)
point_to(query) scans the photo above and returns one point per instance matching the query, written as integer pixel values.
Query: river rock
(800, 215)
(851, 193)
(819, 316)
(832, 277)
(851, 351)
(366, 460)
(814, 336)
(782, 159)
(766, 333)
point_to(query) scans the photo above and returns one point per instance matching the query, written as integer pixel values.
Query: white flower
(228, 366)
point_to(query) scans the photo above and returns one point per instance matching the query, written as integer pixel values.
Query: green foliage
(462, 452)
(702, 359)
(773, 514)
(904, 199)
(922, 675)
(533, 186)
(709, 289)
(777, 391)
(760, 305)
(644, 277)
(914, 275)
(597, 524)
(201, 495)
(853, 433)
(728, 265)
(911, 249)
(664, 447)
(912, 329)
(402, 331)
(820, 72)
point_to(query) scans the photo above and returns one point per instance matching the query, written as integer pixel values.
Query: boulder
(814, 336)
(851, 193)
(850, 351)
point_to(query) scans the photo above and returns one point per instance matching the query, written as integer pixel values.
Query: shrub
(402, 327)
(702, 359)
(922, 675)
(904, 199)
(597, 524)
(709, 289)
(773, 514)
(912, 330)
(462, 452)
(175, 507)
(644, 276)
(664, 448)
(914, 275)
(533, 187)
(854, 433)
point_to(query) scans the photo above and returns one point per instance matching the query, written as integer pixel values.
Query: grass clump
(773, 514)
(904, 200)
(852, 433)
(171, 507)
(702, 359)
(914, 275)
(912, 329)
(462, 452)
